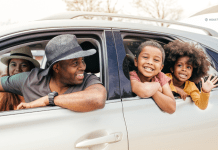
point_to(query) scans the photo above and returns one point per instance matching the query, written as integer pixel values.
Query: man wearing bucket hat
(63, 82)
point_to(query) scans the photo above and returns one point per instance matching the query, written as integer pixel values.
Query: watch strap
(51, 98)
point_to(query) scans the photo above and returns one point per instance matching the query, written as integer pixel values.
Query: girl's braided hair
(198, 59)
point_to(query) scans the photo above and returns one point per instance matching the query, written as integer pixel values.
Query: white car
(126, 122)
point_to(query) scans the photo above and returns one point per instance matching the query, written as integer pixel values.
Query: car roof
(103, 24)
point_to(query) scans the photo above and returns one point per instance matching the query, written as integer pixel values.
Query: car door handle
(115, 137)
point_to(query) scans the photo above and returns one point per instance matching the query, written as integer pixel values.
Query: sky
(27, 10)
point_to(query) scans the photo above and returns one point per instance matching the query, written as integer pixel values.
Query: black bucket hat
(63, 47)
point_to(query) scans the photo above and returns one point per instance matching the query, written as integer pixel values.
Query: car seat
(128, 63)
(92, 62)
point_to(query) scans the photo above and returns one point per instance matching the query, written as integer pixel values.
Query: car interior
(38, 51)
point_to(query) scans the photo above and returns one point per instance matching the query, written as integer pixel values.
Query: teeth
(148, 69)
(182, 75)
(80, 75)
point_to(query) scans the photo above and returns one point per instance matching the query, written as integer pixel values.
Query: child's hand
(182, 93)
(209, 84)
(160, 89)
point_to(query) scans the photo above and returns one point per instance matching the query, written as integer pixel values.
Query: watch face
(55, 93)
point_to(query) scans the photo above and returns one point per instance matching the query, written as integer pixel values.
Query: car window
(38, 52)
(131, 44)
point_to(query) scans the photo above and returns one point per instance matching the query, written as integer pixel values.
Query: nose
(150, 61)
(18, 69)
(183, 68)
(82, 65)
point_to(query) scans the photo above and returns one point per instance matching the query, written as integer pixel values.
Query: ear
(135, 62)
(55, 67)
(171, 70)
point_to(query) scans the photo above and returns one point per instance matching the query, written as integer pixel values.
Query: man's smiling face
(71, 71)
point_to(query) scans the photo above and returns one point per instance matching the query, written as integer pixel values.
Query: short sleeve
(91, 79)
(163, 79)
(133, 76)
(13, 84)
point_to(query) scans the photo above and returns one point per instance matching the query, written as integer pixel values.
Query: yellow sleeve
(172, 87)
(200, 99)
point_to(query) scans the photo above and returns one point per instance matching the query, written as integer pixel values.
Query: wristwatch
(51, 98)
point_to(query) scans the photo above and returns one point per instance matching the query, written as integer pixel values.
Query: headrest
(92, 62)
(128, 64)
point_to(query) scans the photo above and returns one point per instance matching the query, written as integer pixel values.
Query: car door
(148, 126)
(57, 128)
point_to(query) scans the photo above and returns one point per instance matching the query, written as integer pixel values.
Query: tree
(84, 5)
(160, 9)
(108, 6)
(111, 7)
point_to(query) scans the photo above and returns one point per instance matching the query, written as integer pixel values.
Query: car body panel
(62, 129)
(113, 80)
(188, 128)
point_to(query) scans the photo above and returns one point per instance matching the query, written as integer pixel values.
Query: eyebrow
(149, 54)
(185, 63)
(158, 56)
(74, 59)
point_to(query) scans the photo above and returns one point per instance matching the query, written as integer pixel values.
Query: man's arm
(92, 98)
(13, 84)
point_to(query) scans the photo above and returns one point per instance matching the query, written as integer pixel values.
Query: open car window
(93, 65)
(131, 44)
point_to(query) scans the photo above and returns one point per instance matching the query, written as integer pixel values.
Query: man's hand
(24, 106)
(182, 93)
(209, 84)
(43, 101)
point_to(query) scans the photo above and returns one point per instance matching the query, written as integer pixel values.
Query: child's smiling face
(182, 70)
(149, 63)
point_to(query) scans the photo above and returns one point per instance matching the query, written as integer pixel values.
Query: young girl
(148, 80)
(187, 64)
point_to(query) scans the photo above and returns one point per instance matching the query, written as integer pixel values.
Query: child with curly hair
(148, 80)
(185, 64)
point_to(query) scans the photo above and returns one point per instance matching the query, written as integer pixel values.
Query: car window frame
(121, 34)
(25, 39)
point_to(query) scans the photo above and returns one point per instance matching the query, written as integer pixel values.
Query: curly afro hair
(198, 59)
